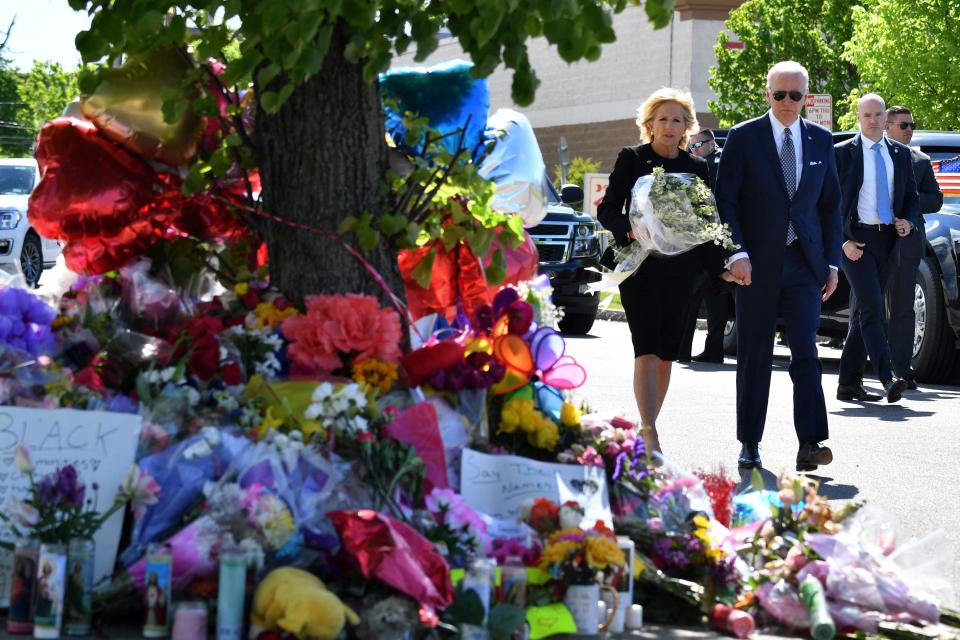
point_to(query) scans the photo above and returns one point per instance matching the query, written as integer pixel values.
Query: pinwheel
(542, 357)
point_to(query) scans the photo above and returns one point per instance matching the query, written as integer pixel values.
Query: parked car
(568, 244)
(937, 296)
(22, 250)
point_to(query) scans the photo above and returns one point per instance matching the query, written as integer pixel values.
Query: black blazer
(632, 163)
(850, 168)
(928, 189)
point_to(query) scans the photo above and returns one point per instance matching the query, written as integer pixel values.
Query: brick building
(594, 104)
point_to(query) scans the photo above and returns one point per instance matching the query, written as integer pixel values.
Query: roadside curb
(612, 315)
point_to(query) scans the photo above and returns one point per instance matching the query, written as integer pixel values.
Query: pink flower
(440, 499)
(613, 449)
(23, 513)
(655, 525)
(590, 457)
(22, 459)
(139, 487)
(335, 325)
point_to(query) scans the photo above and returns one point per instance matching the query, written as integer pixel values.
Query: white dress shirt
(867, 200)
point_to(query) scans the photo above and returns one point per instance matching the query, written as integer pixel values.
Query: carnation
(337, 329)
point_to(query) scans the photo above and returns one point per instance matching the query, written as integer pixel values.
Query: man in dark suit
(703, 144)
(909, 250)
(777, 189)
(879, 206)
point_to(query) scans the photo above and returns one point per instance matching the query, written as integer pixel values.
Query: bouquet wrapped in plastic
(670, 213)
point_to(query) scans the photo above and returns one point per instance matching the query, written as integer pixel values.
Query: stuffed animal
(298, 602)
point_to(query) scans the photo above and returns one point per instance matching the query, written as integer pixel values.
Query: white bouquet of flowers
(670, 213)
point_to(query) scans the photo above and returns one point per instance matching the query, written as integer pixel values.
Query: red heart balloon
(90, 186)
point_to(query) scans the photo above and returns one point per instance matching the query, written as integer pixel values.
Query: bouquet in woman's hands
(670, 213)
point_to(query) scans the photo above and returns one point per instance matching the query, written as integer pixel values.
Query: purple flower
(25, 322)
(61, 487)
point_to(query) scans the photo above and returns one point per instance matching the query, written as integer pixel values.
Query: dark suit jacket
(752, 198)
(928, 190)
(713, 162)
(850, 168)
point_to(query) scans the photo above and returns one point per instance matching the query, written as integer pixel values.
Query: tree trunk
(323, 158)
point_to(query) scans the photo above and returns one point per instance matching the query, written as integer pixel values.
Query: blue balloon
(447, 95)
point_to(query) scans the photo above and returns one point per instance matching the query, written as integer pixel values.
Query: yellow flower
(546, 436)
(372, 374)
(701, 522)
(269, 316)
(557, 553)
(509, 420)
(569, 415)
(603, 552)
(241, 288)
(61, 321)
(270, 422)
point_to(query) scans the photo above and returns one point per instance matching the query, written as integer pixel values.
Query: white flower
(140, 489)
(570, 516)
(323, 391)
(22, 459)
(199, 449)
(23, 512)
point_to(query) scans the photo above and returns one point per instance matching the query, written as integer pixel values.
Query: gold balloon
(127, 107)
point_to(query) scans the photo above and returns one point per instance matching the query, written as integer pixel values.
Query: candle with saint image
(158, 571)
(52, 570)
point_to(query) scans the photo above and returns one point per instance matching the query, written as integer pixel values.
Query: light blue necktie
(884, 210)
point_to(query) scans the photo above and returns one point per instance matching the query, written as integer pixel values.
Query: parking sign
(820, 109)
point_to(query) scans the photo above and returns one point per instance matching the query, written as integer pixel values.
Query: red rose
(231, 374)
(88, 377)
(204, 360)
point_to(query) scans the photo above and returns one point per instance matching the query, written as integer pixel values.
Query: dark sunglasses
(796, 96)
(696, 145)
(906, 125)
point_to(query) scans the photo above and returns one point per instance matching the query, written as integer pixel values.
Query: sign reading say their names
(500, 485)
(99, 444)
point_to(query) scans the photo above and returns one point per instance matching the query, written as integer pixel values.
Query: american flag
(947, 173)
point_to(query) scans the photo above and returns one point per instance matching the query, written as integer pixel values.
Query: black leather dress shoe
(894, 389)
(749, 456)
(811, 455)
(683, 359)
(850, 392)
(705, 358)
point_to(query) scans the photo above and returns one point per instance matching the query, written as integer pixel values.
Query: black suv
(937, 298)
(569, 250)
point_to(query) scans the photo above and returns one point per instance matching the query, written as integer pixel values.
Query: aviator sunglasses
(696, 145)
(906, 125)
(796, 96)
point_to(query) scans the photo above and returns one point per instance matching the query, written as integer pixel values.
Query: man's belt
(875, 227)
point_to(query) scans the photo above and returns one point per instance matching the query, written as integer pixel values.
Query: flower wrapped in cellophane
(670, 213)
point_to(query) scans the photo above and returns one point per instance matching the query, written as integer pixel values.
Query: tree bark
(323, 158)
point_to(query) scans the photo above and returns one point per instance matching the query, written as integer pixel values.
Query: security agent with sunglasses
(879, 206)
(909, 251)
(777, 188)
(904, 262)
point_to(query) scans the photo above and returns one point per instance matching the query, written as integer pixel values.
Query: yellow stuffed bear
(298, 602)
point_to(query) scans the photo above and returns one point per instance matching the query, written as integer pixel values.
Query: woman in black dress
(657, 294)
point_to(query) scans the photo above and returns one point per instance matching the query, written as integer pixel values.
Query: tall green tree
(14, 137)
(908, 51)
(44, 91)
(319, 122)
(812, 32)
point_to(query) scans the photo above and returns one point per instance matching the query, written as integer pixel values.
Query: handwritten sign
(100, 445)
(499, 485)
(550, 620)
(594, 187)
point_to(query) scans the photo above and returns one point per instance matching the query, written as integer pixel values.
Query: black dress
(656, 296)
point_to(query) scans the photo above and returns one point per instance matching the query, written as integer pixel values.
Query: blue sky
(44, 30)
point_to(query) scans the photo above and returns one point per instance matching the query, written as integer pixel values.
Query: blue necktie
(884, 210)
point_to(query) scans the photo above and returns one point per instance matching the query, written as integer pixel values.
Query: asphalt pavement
(900, 457)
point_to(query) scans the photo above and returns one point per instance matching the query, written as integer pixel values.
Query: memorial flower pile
(330, 438)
